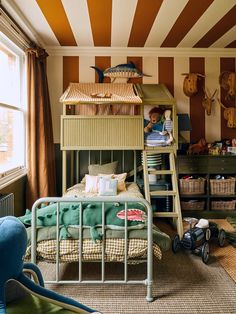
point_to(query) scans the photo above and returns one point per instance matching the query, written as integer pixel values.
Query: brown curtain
(40, 154)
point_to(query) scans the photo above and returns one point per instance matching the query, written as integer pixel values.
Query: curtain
(40, 153)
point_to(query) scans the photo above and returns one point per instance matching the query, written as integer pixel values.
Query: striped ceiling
(132, 23)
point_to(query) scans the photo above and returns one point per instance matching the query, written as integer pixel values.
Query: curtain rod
(12, 28)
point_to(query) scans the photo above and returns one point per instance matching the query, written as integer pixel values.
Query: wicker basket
(222, 186)
(223, 205)
(192, 186)
(192, 205)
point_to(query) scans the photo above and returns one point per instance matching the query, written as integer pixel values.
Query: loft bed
(110, 132)
(95, 131)
(91, 122)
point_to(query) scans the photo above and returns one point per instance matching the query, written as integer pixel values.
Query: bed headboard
(78, 162)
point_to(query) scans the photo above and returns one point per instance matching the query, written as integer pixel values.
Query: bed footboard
(59, 201)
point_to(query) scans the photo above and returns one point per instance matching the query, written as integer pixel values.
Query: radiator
(7, 205)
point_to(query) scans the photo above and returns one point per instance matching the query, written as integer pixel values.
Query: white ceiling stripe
(226, 39)
(122, 19)
(165, 19)
(212, 72)
(212, 15)
(78, 16)
(39, 23)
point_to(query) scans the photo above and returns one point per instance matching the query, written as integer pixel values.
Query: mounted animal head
(190, 85)
(227, 81)
(229, 115)
(208, 100)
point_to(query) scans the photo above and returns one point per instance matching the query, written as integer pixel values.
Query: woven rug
(231, 235)
(182, 284)
(226, 255)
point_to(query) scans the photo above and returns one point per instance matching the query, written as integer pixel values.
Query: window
(12, 112)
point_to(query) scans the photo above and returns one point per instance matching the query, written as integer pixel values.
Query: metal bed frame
(59, 200)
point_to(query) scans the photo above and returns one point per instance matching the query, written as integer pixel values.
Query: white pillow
(91, 184)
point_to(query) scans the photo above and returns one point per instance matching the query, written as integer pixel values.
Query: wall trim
(142, 52)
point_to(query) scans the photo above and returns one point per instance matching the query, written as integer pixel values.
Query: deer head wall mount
(208, 100)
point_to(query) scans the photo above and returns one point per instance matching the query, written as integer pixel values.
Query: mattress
(91, 251)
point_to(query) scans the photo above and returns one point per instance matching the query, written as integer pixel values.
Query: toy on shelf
(168, 125)
(197, 236)
(154, 123)
(199, 148)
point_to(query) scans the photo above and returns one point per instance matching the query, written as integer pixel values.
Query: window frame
(13, 174)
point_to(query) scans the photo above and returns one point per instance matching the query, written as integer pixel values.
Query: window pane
(12, 137)
(10, 81)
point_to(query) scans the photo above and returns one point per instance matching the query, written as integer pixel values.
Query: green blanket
(159, 237)
(92, 217)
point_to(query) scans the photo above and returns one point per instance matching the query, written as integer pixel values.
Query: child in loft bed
(158, 129)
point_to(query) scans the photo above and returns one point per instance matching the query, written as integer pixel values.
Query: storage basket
(192, 205)
(223, 205)
(222, 186)
(192, 186)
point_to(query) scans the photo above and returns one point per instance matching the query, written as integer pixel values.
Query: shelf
(222, 196)
(209, 213)
(207, 166)
(193, 196)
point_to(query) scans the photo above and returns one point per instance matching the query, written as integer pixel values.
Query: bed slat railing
(58, 243)
(59, 200)
(90, 158)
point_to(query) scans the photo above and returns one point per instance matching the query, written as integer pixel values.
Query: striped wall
(167, 70)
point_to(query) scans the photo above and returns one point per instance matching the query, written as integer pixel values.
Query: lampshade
(184, 123)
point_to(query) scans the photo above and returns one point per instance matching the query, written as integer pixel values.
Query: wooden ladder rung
(166, 215)
(176, 210)
(163, 193)
(160, 171)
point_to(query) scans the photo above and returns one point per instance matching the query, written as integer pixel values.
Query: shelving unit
(207, 166)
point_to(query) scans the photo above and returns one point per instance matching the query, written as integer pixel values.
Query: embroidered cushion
(107, 187)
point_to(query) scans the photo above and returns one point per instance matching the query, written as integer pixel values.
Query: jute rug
(226, 255)
(182, 284)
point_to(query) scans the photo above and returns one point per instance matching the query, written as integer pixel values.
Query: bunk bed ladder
(174, 193)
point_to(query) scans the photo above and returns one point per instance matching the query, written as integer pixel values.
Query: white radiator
(7, 205)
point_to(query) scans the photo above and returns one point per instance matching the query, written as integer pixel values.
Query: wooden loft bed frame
(122, 132)
(111, 132)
